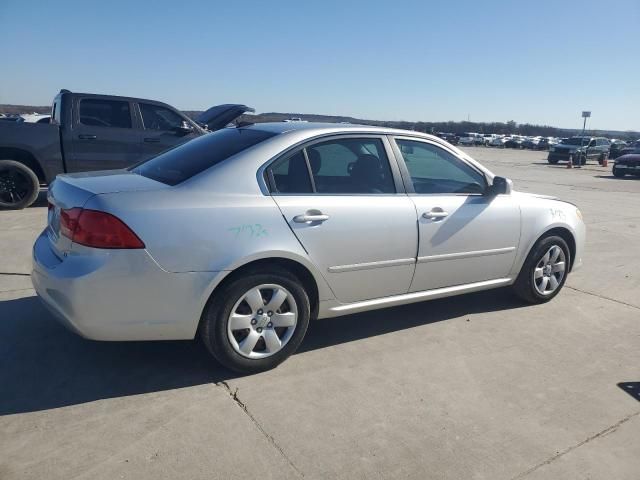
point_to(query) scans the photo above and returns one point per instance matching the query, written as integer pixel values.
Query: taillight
(93, 228)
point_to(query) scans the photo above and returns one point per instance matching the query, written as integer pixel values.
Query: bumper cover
(118, 294)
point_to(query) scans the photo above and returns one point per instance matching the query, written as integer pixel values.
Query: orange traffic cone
(605, 161)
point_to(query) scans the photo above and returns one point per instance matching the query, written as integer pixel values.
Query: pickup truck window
(156, 117)
(105, 113)
(181, 163)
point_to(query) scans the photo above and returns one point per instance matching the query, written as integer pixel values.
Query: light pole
(585, 115)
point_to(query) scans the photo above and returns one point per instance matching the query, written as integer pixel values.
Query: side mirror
(500, 186)
(183, 129)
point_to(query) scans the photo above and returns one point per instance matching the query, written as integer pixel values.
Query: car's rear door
(343, 200)
(465, 235)
(103, 136)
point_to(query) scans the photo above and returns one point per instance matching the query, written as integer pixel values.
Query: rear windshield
(183, 162)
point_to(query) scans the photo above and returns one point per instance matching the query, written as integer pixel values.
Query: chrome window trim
(265, 182)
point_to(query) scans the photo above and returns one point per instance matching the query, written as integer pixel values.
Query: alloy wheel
(262, 321)
(549, 271)
(14, 186)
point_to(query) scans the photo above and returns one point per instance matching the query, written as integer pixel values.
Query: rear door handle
(311, 217)
(152, 140)
(87, 137)
(435, 214)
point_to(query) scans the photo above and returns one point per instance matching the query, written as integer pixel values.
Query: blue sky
(537, 62)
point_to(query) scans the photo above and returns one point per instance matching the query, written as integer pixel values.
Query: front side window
(156, 117)
(105, 113)
(434, 170)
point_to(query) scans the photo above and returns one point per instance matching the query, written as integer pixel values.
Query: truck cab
(89, 132)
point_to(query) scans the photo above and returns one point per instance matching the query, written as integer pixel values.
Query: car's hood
(535, 195)
(631, 157)
(222, 115)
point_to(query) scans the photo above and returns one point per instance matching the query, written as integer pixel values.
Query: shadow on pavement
(632, 388)
(44, 366)
(612, 177)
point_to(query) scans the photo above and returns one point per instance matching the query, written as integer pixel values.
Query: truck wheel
(552, 161)
(19, 186)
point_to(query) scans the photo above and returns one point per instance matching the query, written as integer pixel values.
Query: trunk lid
(74, 190)
(222, 115)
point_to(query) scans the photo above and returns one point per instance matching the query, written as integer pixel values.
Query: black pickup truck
(94, 132)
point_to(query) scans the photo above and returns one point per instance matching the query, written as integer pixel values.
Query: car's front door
(343, 200)
(162, 129)
(466, 236)
(103, 136)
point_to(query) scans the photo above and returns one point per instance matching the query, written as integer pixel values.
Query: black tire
(524, 285)
(215, 318)
(601, 158)
(583, 159)
(618, 173)
(19, 186)
(552, 161)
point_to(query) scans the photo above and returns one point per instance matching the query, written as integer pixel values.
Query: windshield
(181, 163)
(575, 141)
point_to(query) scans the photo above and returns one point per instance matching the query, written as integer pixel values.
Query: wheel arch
(563, 232)
(295, 267)
(26, 158)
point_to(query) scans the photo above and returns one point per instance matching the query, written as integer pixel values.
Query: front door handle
(435, 214)
(87, 137)
(152, 140)
(311, 216)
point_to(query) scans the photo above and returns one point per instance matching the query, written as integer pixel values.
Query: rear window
(183, 162)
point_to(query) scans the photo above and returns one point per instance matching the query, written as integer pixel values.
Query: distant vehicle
(631, 149)
(244, 236)
(471, 138)
(617, 146)
(36, 118)
(531, 143)
(499, 141)
(93, 132)
(627, 165)
(487, 138)
(579, 150)
(452, 138)
(295, 119)
(16, 119)
(514, 142)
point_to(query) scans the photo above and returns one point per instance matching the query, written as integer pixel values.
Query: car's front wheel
(257, 321)
(544, 271)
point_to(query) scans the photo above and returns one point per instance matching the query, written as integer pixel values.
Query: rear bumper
(118, 294)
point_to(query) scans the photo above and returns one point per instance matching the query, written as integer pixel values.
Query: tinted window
(434, 170)
(292, 175)
(350, 166)
(105, 113)
(155, 117)
(191, 158)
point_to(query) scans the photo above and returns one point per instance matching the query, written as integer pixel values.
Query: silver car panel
(198, 232)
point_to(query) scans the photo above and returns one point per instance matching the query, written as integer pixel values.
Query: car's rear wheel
(544, 271)
(552, 161)
(256, 322)
(19, 186)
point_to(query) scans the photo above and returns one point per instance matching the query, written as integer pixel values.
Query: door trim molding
(456, 256)
(365, 266)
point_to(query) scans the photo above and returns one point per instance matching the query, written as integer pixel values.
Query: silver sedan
(244, 235)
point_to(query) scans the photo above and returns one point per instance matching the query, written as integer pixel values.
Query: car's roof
(313, 128)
